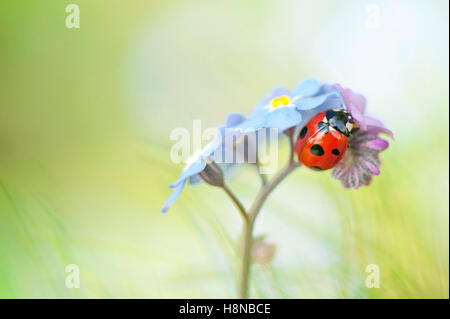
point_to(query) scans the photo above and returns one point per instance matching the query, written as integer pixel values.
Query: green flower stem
(261, 176)
(249, 222)
(237, 203)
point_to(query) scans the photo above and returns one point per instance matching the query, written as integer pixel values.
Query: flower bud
(212, 174)
(263, 252)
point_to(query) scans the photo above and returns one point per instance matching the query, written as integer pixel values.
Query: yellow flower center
(280, 101)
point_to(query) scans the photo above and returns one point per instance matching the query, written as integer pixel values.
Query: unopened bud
(262, 251)
(212, 174)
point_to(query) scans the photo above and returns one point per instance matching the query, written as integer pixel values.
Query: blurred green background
(85, 119)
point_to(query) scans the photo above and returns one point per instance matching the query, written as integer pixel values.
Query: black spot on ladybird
(303, 132)
(315, 168)
(336, 152)
(317, 150)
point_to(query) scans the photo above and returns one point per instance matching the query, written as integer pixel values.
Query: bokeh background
(86, 115)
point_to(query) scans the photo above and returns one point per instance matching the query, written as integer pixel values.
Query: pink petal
(373, 121)
(375, 126)
(343, 93)
(339, 88)
(339, 170)
(354, 180)
(378, 144)
(354, 103)
(359, 101)
(352, 99)
(348, 94)
(358, 116)
(372, 168)
(377, 129)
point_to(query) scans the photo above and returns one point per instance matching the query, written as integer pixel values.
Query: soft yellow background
(85, 119)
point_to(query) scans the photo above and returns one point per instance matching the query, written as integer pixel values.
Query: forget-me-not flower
(282, 109)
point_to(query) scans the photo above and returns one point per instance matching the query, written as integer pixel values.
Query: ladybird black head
(340, 120)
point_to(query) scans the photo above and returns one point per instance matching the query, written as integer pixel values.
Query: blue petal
(307, 87)
(173, 197)
(327, 88)
(194, 180)
(234, 119)
(211, 147)
(312, 102)
(188, 171)
(283, 118)
(251, 124)
(331, 103)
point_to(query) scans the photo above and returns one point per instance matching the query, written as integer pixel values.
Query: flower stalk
(249, 219)
(236, 203)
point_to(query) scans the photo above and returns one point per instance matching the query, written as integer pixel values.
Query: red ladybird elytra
(322, 142)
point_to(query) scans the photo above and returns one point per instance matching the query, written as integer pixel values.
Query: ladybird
(322, 142)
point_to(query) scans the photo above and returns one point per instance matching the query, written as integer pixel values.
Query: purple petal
(352, 99)
(353, 180)
(372, 168)
(339, 170)
(373, 121)
(377, 129)
(358, 101)
(378, 144)
(358, 116)
(344, 94)
(375, 126)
